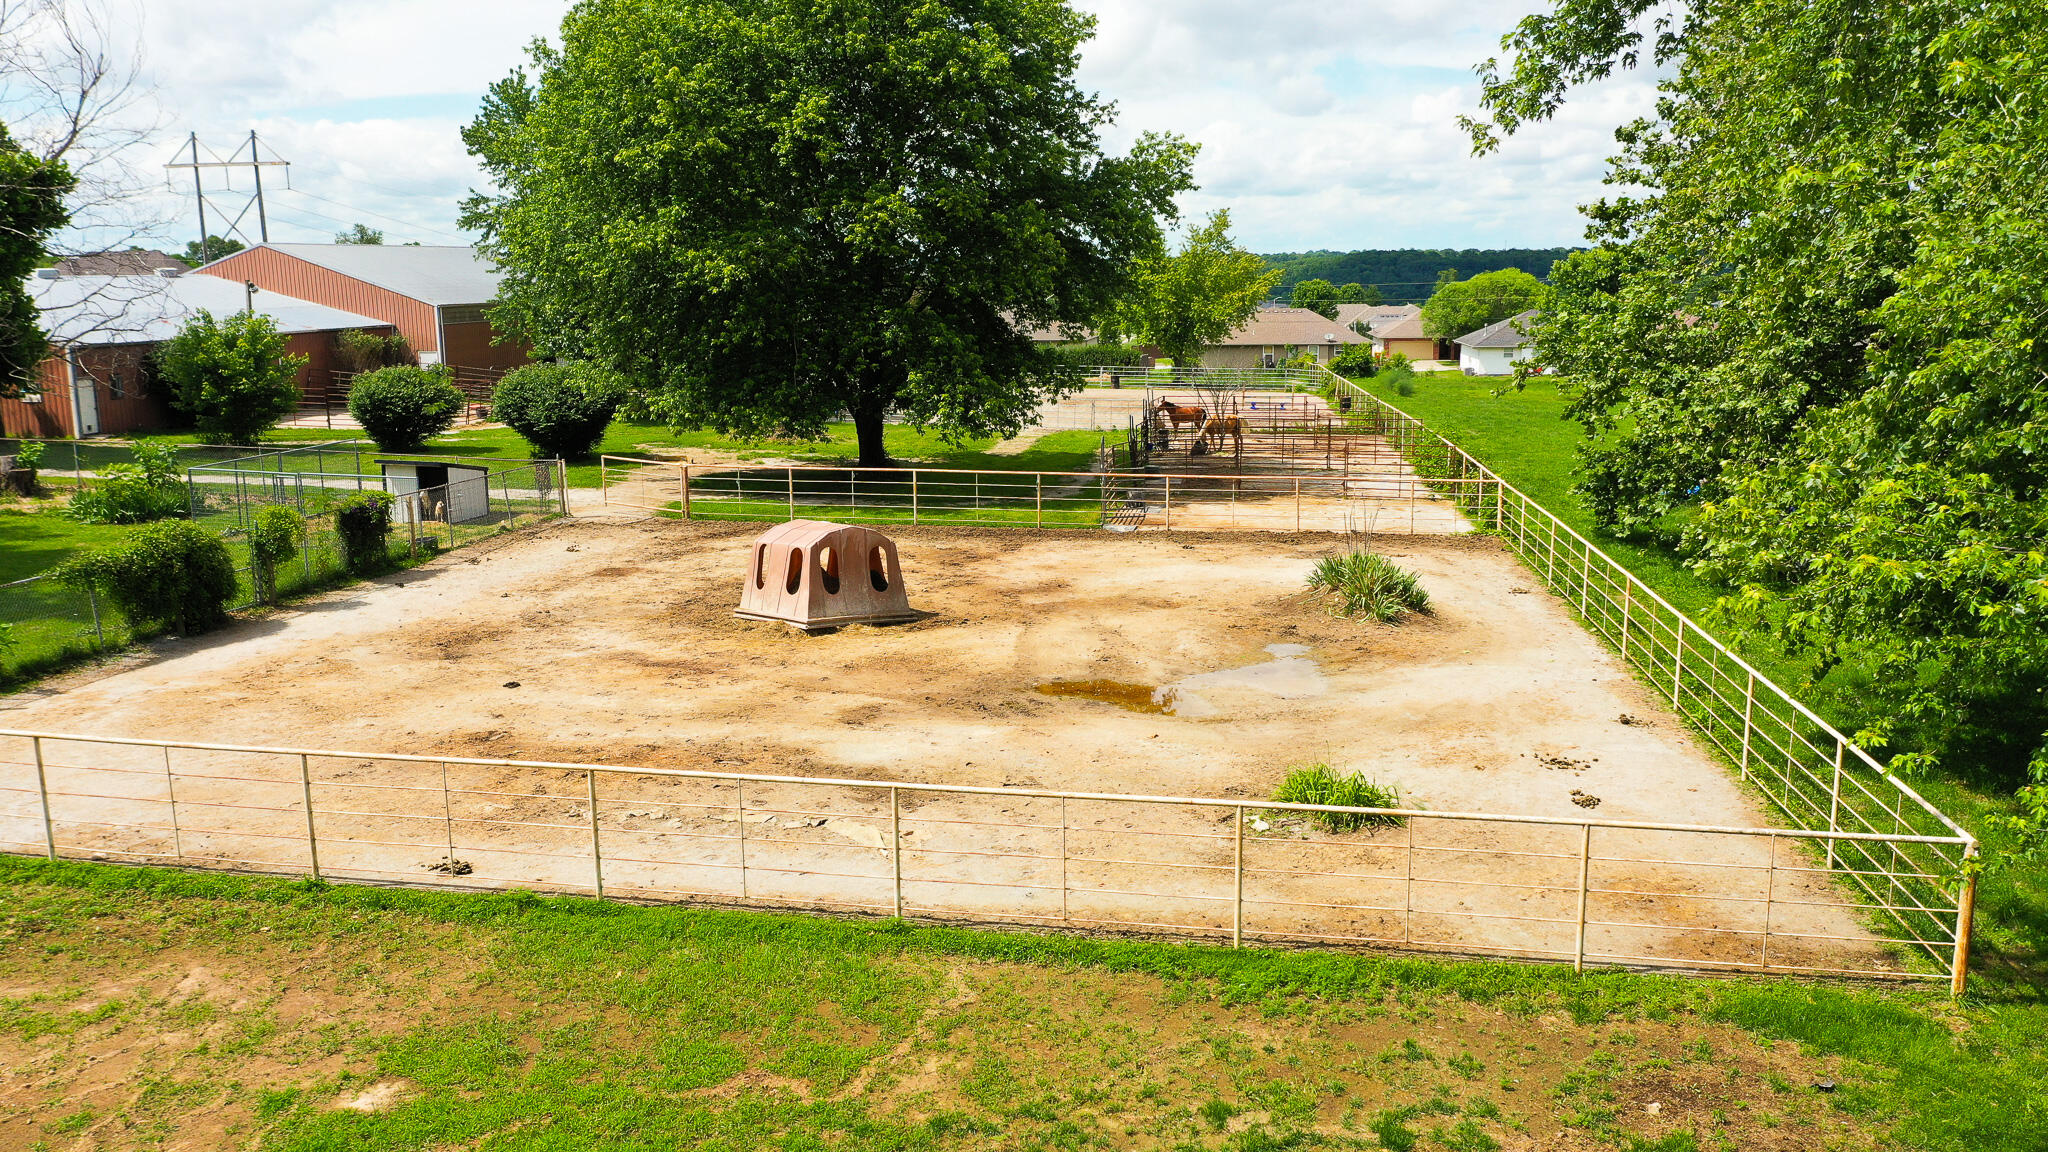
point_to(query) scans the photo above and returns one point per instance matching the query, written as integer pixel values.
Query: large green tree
(1319, 296)
(1187, 300)
(772, 211)
(32, 192)
(1460, 307)
(1817, 331)
(231, 375)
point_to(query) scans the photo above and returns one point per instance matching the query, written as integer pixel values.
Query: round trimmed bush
(403, 407)
(173, 574)
(560, 409)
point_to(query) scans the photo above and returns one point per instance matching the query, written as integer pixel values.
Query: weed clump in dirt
(1320, 784)
(1368, 584)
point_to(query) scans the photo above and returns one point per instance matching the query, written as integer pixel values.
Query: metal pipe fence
(1385, 501)
(1801, 764)
(1582, 891)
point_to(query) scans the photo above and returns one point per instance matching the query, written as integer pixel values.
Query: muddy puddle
(1290, 675)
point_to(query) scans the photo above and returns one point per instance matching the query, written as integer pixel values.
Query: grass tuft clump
(1320, 784)
(1368, 584)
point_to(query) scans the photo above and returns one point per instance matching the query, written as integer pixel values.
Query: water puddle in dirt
(1289, 675)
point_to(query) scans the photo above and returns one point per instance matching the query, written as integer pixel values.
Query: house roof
(134, 262)
(1507, 333)
(1407, 327)
(1376, 316)
(441, 275)
(146, 309)
(1291, 326)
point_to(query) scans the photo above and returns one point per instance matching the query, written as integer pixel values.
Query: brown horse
(1220, 426)
(1181, 414)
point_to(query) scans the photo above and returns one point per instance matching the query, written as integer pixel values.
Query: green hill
(1406, 275)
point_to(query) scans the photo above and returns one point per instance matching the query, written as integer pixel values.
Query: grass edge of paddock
(1955, 1076)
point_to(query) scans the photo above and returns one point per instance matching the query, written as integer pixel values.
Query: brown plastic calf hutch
(814, 574)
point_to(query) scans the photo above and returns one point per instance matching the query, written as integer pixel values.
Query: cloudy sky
(1324, 123)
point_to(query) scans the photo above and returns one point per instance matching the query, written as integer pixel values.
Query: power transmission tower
(255, 164)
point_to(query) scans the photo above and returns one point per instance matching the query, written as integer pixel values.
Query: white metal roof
(441, 275)
(147, 309)
(1508, 333)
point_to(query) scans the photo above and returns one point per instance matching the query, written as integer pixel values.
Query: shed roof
(438, 274)
(147, 309)
(1291, 326)
(133, 262)
(1376, 316)
(1508, 333)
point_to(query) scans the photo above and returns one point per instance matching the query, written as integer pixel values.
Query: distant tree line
(1406, 275)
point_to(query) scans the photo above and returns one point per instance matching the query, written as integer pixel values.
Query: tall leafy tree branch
(772, 211)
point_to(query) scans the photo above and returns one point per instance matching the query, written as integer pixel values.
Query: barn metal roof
(147, 309)
(441, 275)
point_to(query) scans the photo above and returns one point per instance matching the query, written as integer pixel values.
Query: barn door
(85, 402)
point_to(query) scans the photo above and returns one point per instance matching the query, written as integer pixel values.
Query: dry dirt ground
(616, 644)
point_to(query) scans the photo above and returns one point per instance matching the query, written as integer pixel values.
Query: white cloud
(1323, 124)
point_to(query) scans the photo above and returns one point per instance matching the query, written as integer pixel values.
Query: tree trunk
(867, 428)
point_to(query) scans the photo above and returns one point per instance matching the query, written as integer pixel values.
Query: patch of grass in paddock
(1523, 436)
(35, 537)
(517, 1021)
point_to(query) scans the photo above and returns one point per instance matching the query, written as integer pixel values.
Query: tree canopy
(32, 192)
(358, 234)
(1461, 307)
(769, 212)
(1816, 336)
(231, 375)
(1197, 296)
(1402, 276)
(1317, 296)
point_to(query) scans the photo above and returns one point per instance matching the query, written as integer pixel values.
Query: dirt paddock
(1182, 665)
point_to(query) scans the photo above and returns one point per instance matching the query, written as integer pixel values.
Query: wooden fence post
(43, 791)
(1585, 887)
(1966, 914)
(896, 846)
(312, 837)
(1237, 907)
(596, 844)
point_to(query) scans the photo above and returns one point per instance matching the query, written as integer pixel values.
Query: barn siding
(48, 420)
(273, 271)
(469, 346)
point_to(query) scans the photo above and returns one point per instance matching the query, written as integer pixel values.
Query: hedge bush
(273, 540)
(173, 574)
(403, 407)
(560, 409)
(363, 521)
(150, 488)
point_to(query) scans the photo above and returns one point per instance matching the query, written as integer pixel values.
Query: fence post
(742, 812)
(562, 483)
(171, 795)
(896, 845)
(686, 491)
(99, 635)
(448, 817)
(1627, 611)
(1237, 907)
(913, 497)
(790, 475)
(1408, 885)
(1966, 914)
(1038, 495)
(312, 837)
(596, 845)
(1585, 887)
(1065, 915)
(1169, 502)
(1748, 707)
(43, 791)
(1297, 503)
(1835, 797)
(1677, 661)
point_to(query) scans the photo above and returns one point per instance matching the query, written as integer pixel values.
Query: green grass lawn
(34, 538)
(292, 1016)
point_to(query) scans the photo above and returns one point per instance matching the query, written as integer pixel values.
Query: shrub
(560, 409)
(150, 488)
(23, 477)
(273, 540)
(230, 375)
(175, 575)
(1074, 357)
(1319, 784)
(1368, 584)
(1355, 361)
(363, 521)
(403, 407)
(358, 351)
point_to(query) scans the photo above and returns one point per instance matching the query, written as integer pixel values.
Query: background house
(1399, 329)
(439, 297)
(1375, 316)
(1275, 334)
(1495, 349)
(99, 379)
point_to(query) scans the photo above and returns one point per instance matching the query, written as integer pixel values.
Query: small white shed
(437, 490)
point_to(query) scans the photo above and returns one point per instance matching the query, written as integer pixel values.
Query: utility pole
(255, 164)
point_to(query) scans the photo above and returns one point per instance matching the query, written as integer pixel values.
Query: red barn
(437, 296)
(99, 378)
